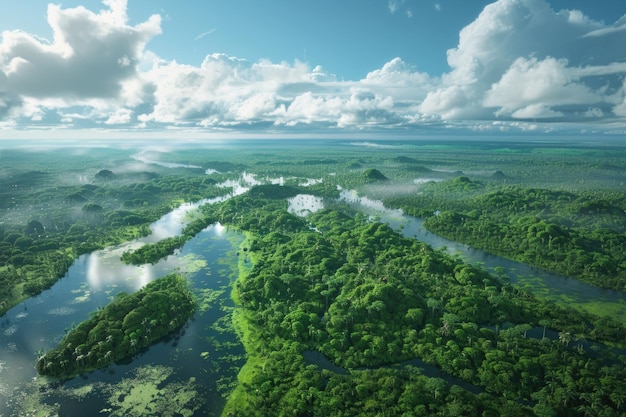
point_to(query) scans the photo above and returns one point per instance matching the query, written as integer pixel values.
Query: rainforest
(474, 277)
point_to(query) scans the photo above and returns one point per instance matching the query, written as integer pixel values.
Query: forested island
(130, 323)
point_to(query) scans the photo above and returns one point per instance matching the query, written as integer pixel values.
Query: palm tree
(565, 338)
(618, 396)
(580, 338)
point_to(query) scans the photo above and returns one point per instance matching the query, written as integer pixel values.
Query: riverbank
(245, 330)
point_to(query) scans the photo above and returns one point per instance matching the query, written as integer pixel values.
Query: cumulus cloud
(90, 57)
(522, 59)
(91, 54)
(520, 65)
(534, 84)
(227, 91)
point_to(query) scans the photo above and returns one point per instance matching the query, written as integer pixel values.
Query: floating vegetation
(10, 330)
(149, 393)
(61, 311)
(82, 298)
(193, 264)
(226, 384)
(207, 297)
(30, 401)
(223, 324)
(122, 328)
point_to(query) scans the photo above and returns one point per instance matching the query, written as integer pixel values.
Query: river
(549, 286)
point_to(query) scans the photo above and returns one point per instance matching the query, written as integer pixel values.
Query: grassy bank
(245, 330)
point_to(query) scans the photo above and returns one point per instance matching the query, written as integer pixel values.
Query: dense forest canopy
(368, 299)
(397, 327)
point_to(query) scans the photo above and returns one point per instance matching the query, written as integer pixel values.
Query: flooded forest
(476, 277)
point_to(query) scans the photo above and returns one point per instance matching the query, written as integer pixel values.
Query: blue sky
(215, 68)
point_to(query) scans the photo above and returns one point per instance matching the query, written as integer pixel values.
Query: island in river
(128, 324)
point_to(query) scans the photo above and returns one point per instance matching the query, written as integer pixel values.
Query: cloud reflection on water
(303, 204)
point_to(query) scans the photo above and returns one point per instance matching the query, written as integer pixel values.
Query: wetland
(341, 254)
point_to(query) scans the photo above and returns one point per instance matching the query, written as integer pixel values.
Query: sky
(388, 68)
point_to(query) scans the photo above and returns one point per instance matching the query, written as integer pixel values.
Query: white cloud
(534, 84)
(396, 5)
(520, 60)
(91, 57)
(204, 34)
(606, 31)
(226, 91)
(536, 111)
(120, 116)
(594, 112)
(91, 54)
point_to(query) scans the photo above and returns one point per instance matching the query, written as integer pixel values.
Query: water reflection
(40, 323)
(172, 223)
(219, 229)
(304, 204)
(311, 181)
(104, 269)
(372, 207)
(426, 180)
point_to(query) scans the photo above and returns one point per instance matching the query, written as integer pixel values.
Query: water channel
(552, 287)
(205, 354)
(201, 362)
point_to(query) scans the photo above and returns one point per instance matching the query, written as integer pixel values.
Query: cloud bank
(519, 65)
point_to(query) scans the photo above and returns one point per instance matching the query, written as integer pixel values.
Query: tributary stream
(549, 286)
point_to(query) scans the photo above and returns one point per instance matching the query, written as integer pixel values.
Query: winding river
(200, 363)
(553, 287)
